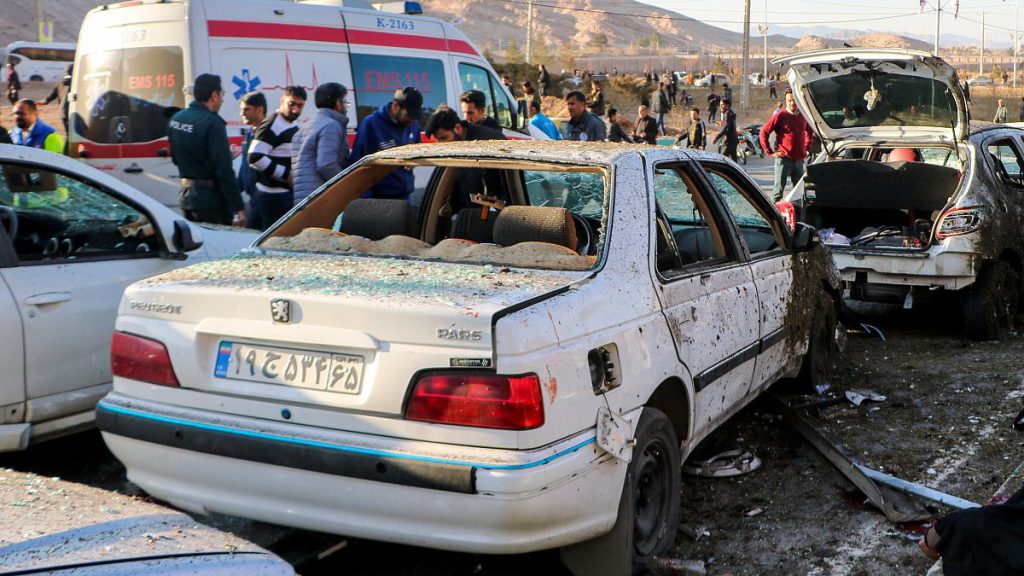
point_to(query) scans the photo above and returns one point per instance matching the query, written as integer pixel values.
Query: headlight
(960, 221)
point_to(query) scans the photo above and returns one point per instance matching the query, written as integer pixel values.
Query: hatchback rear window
(896, 100)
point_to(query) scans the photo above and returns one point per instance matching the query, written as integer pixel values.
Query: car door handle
(133, 170)
(47, 298)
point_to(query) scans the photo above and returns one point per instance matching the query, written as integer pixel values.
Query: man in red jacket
(792, 142)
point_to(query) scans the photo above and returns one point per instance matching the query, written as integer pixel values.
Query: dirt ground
(946, 424)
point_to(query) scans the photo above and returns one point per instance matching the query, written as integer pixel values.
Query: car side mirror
(805, 237)
(183, 240)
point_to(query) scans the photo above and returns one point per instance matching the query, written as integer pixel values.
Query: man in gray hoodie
(323, 152)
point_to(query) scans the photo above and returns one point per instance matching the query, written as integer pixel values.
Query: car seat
(467, 225)
(378, 218)
(902, 155)
(517, 224)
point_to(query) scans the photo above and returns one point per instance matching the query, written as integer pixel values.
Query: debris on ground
(676, 567)
(857, 397)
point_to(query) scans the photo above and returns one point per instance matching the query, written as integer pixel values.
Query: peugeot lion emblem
(281, 310)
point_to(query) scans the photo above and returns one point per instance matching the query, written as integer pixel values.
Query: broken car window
(692, 227)
(755, 226)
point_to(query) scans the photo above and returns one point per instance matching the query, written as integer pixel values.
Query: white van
(135, 58)
(40, 61)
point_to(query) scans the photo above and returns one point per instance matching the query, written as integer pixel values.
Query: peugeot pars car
(910, 195)
(519, 363)
(71, 239)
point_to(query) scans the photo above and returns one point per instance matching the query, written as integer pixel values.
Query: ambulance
(136, 61)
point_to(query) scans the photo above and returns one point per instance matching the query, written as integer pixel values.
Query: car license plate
(342, 373)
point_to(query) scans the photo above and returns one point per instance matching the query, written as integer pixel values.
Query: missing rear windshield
(517, 214)
(874, 98)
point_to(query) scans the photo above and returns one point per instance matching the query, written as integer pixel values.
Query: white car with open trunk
(520, 372)
(912, 198)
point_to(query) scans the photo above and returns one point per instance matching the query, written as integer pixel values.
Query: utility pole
(938, 20)
(39, 19)
(529, 32)
(981, 51)
(1016, 39)
(765, 33)
(745, 93)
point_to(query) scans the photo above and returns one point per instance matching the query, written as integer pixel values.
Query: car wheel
(648, 514)
(35, 78)
(990, 306)
(655, 476)
(821, 350)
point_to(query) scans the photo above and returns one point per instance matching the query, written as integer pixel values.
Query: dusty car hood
(920, 95)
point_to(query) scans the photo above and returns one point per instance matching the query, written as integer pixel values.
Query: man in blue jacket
(395, 124)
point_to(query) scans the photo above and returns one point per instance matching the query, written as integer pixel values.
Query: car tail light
(959, 221)
(142, 359)
(482, 400)
(788, 212)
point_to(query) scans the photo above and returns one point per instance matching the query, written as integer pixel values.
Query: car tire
(821, 350)
(990, 305)
(648, 514)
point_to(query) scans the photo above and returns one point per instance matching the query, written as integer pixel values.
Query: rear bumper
(946, 270)
(509, 502)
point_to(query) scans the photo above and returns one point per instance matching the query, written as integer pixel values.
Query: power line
(683, 18)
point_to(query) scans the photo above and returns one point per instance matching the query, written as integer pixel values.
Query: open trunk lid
(878, 94)
(328, 330)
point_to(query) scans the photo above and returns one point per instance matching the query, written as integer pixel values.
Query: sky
(896, 16)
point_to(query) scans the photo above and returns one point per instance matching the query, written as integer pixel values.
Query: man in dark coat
(728, 130)
(615, 130)
(646, 129)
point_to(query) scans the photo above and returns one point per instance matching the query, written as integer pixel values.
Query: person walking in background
(713, 104)
(13, 83)
(696, 136)
(323, 151)
(529, 93)
(646, 128)
(596, 104)
(508, 84)
(543, 80)
(542, 122)
(773, 87)
(793, 138)
(615, 131)
(270, 154)
(199, 148)
(728, 131)
(253, 110)
(726, 92)
(660, 105)
(1002, 114)
(393, 124)
(60, 94)
(30, 130)
(474, 109)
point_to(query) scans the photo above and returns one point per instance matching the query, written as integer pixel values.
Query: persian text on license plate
(341, 373)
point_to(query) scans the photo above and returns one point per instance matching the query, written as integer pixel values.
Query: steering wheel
(10, 219)
(585, 235)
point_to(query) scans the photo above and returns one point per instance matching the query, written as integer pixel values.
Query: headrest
(902, 155)
(378, 218)
(517, 224)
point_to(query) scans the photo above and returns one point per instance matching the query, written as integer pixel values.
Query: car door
(706, 289)
(75, 248)
(1004, 158)
(764, 235)
(12, 356)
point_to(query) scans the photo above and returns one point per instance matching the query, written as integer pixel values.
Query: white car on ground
(472, 378)
(705, 82)
(71, 239)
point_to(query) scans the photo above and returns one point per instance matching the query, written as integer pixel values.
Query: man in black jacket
(646, 129)
(728, 130)
(445, 125)
(474, 109)
(660, 105)
(697, 136)
(615, 131)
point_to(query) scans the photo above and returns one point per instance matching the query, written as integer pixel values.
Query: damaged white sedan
(522, 372)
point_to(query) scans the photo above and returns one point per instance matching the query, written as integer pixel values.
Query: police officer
(200, 150)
